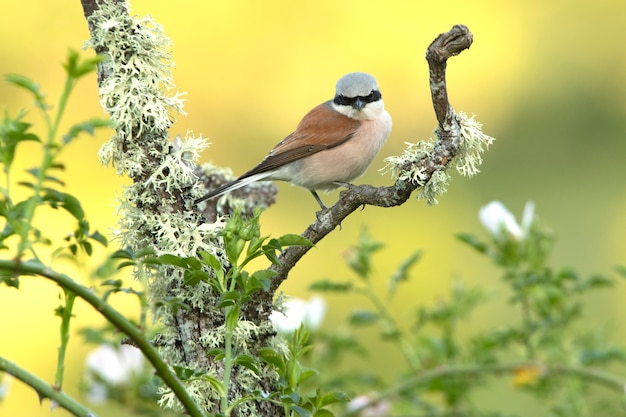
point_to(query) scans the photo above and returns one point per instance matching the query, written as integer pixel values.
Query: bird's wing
(322, 128)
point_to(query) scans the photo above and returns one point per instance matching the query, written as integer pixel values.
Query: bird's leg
(348, 185)
(344, 184)
(319, 200)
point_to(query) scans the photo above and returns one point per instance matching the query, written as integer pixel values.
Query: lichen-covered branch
(459, 143)
(137, 91)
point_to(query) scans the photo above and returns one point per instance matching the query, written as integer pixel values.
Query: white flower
(5, 384)
(361, 402)
(113, 366)
(501, 223)
(299, 311)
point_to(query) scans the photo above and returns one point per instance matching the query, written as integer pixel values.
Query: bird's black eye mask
(349, 101)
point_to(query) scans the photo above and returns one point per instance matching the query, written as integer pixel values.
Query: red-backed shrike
(333, 144)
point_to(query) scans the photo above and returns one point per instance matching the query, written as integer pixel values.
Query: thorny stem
(405, 346)
(113, 317)
(66, 316)
(423, 378)
(45, 390)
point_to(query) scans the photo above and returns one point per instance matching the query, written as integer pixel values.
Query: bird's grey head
(356, 89)
(357, 96)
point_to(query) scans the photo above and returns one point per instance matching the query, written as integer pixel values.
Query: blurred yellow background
(546, 79)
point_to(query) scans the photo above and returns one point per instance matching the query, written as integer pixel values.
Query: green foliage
(545, 351)
(43, 183)
(235, 286)
(445, 366)
(293, 375)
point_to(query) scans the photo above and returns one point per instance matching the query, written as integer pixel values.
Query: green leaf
(234, 247)
(259, 280)
(253, 247)
(13, 131)
(123, 254)
(98, 237)
(116, 283)
(173, 303)
(333, 398)
(472, 241)
(173, 260)
(247, 361)
(323, 413)
(217, 354)
(293, 240)
(294, 371)
(307, 374)
(88, 126)
(194, 277)
(621, 270)
(600, 356)
(183, 373)
(402, 273)
(302, 412)
(270, 249)
(330, 286)
(360, 258)
(30, 86)
(363, 317)
(599, 281)
(76, 68)
(273, 358)
(229, 298)
(232, 318)
(67, 201)
(9, 280)
(216, 384)
(214, 263)
(35, 173)
(86, 247)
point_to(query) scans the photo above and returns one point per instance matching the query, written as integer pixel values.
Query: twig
(423, 378)
(443, 47)
(113, 317)
(45, 390)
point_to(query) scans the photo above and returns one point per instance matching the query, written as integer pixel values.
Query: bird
(333, 144)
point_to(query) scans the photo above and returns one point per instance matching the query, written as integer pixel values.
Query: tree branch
(545, 370)
(447, 146)
(113, 317)
(45, 390)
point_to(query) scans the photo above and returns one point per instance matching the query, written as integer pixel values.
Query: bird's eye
(372, 96)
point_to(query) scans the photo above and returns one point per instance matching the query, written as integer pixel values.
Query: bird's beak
(359, 104)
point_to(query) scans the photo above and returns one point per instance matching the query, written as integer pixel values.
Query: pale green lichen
(136, 88)
(437, 186)
(176, 169)
(412, 152)
(136, 91)
(473, 142)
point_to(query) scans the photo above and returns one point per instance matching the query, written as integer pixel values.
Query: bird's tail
(233, 185)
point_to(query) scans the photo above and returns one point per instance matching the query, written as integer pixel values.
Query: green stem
(67, 90)
(50, 151)
(591, 375)
(115, 318)
(45, 390)
(66, 316)
(228, 360)
(405, 345)
(528, 327)
(228, 364)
